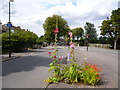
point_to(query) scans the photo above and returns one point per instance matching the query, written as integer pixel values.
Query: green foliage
(104, 40)
(111, 28)
(90, 74)
(53, 79)
(77, 32)
(19, 40)
(41, 39)
(72, 73)
(90, 31)
(55, 69)
(50, 25)
(82, 42)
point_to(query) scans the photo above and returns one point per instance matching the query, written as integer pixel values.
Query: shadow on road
(33, 50)
(27, 63)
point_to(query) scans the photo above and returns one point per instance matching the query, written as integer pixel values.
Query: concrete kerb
(14, 56)
(9, 58)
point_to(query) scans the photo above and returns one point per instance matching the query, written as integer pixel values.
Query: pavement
(30, 69)
(5, 57)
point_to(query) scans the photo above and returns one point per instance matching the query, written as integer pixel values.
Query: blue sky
(31, 14)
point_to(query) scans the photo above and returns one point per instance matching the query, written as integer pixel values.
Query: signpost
(9, 25)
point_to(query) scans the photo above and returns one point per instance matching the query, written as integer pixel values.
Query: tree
(41, 39)
(111, 28)
(78, 32)
(90, 32)
(51, 23)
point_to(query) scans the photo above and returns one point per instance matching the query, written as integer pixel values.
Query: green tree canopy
(90, 31)
(51, 23)
(111, 28)
(78, 32)
(41, 39)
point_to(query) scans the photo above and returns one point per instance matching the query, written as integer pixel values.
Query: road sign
(9, 25)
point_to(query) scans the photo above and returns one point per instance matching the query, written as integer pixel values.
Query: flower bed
(72, 72)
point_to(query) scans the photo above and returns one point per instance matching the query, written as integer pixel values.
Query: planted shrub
(90, 74)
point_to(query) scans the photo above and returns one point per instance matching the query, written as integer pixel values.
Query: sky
(31, 14)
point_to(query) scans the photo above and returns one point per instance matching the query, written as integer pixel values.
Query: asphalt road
(27, 71)
(31, 71)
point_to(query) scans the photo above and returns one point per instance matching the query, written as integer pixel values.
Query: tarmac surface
(30, 69)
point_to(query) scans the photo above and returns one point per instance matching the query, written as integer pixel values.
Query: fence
(100, 45)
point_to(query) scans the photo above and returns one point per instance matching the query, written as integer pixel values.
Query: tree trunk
(115, 43)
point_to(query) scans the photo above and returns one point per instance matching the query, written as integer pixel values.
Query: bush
(90, 74)
(19, 40)
(74, 73)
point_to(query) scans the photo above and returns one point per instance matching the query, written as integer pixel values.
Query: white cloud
(103, 11)
(31, 14)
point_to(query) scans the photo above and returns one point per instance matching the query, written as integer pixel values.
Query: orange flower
(89, 64)
(98, 78)
(97, 74)
(85, 68)
(96, 68)
(91, 70)
(94, 65)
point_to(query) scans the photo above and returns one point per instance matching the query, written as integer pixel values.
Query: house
(4, 28)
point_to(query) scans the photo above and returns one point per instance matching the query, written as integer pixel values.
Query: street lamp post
(9, 25)
(9, 32)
